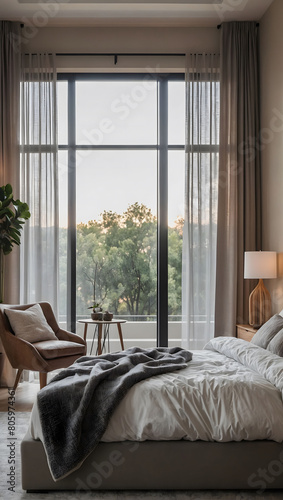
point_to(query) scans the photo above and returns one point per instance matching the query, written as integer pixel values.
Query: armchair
(43, 356)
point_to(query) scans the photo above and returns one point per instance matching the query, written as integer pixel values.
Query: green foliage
(95, 305)
(116, 263)
(13, 214)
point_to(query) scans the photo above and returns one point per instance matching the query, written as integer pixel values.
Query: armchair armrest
(59, 332)
(71, 337)
(22, 354)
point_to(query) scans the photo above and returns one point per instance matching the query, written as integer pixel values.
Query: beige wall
(183, 40)
(124, 39)
(271, 50)
(121, 40)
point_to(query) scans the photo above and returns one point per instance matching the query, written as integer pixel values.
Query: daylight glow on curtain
(201, 199)
(39, 182)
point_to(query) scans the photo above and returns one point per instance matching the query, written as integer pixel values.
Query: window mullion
(71, 253)
(162, 227)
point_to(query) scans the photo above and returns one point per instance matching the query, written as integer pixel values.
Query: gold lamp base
(259, 305)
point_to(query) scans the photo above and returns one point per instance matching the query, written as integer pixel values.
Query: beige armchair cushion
(30, 324)
(50, 349)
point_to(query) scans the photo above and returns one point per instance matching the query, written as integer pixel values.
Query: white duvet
(232, 390)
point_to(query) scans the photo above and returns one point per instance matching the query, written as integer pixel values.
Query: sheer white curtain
(201, 199)
(39, 180)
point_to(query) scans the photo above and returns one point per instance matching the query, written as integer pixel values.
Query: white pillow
(31, 324)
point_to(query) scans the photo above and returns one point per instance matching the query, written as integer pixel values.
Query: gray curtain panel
(10, 61)
(239, 193)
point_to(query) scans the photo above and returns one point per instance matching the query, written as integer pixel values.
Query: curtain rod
(134, 54)
(115, 55)
(219, 26)
(105, 54)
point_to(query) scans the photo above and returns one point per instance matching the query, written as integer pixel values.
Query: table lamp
(260, 265)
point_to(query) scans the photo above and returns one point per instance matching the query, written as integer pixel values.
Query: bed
(215, 424)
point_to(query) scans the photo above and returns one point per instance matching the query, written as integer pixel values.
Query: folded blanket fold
(76, 406)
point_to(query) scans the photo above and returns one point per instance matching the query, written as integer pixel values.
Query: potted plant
(96, 311)
(107, 316)
(13, 214)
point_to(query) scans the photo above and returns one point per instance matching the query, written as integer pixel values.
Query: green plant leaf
(9, 190)
(7, 200)
(6, 212)
(13, 214)
(15, 235)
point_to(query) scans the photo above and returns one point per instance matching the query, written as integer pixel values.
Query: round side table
(102, 331)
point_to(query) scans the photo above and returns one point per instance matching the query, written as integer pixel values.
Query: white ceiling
(44, 13)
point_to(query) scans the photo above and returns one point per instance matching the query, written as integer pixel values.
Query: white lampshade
(260, 265)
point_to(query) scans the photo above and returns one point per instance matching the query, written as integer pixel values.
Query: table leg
(108, 338)
(94, 333)
(85, 331)
(120, 335)
(105, 335)
(99, 339)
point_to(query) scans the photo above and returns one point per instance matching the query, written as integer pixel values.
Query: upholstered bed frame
(162, 465)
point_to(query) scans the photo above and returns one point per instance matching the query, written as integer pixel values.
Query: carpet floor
(21, 425)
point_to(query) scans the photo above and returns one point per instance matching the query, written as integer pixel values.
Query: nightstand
(245, 332)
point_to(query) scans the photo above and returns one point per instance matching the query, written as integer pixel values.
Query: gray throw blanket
(76, 406)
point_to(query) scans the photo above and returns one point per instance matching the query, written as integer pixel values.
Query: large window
(121, 174)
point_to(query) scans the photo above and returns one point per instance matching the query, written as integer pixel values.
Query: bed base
(161, 465)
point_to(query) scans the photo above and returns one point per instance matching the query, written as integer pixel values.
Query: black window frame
(162, 148)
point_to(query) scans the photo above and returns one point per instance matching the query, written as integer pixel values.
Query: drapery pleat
(10, 64)
(39, 180)
(239, 206)
(201, 196)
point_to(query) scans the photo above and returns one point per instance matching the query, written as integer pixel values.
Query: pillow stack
(270, 335)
